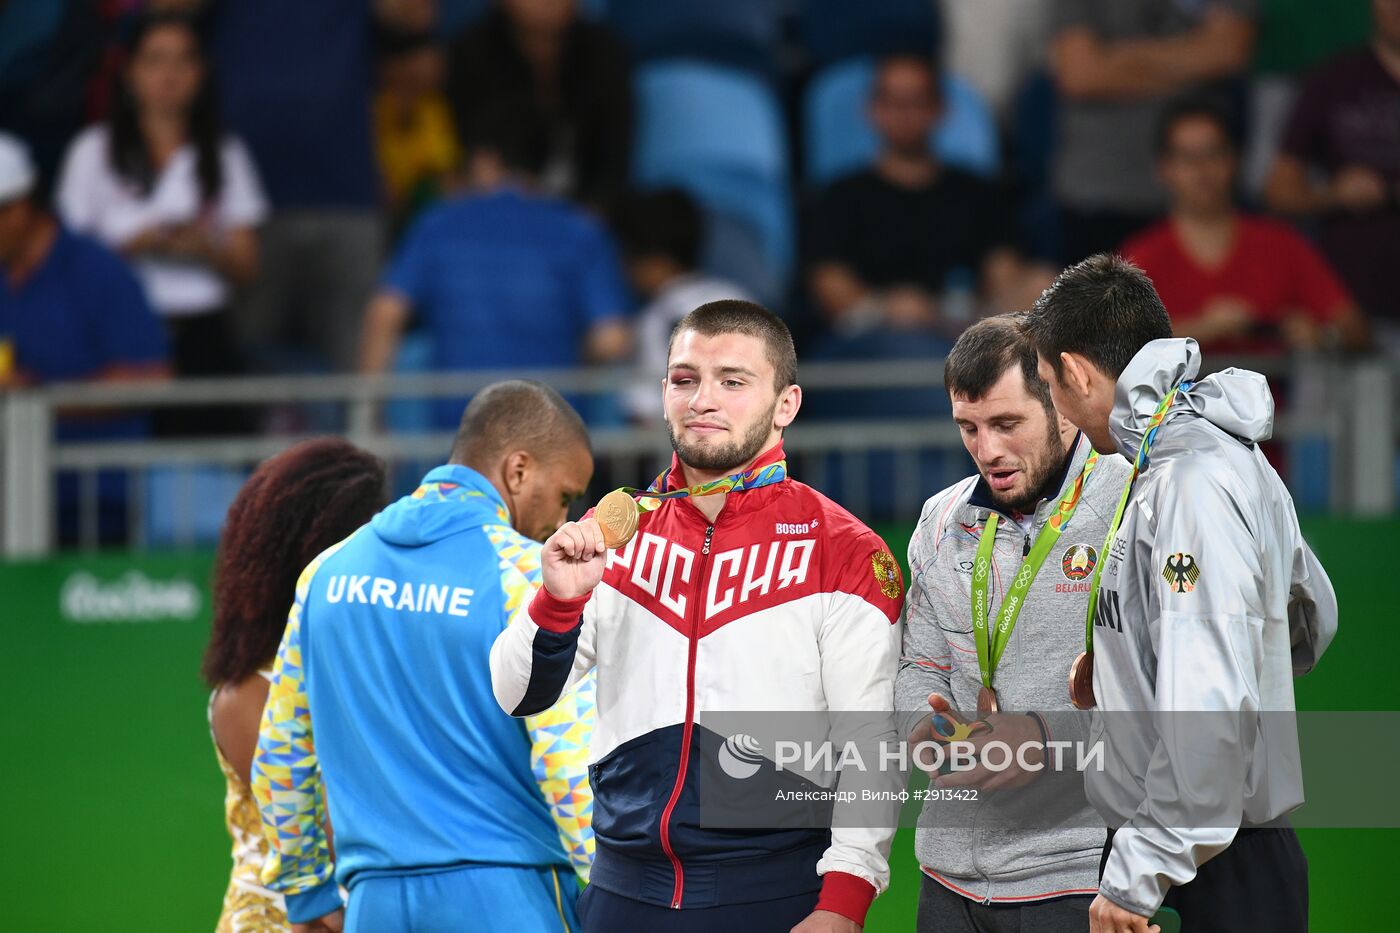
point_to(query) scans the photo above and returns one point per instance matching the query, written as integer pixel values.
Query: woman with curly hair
(292, 508)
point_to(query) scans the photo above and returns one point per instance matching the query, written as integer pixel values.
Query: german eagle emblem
(1181, 572)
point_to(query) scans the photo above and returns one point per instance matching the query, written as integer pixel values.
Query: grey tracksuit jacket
(1210, 601)
(1027, 843)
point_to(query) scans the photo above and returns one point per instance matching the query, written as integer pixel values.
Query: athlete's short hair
(735, 316)
(517, 414)
(984, 353)
(1103, 308)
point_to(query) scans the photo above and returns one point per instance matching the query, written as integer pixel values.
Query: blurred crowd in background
(216, 187)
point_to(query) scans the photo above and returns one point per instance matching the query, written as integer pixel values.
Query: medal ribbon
(1139, 464)
(992, 641)
(745, 480)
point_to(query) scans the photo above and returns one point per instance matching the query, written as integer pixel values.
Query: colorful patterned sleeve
(559, 736)
(286, 779)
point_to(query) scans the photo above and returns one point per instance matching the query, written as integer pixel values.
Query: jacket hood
(1235, 400)
(450, 500)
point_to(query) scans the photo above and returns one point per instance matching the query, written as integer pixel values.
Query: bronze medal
(1081, 681)
(986, 701)
(617, 518)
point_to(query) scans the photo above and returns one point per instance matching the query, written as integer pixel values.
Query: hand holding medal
(573, 560)
(944, 726)
(963, 743)
(575, 556)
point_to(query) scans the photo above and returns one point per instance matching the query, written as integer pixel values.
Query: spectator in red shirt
(1235, 282)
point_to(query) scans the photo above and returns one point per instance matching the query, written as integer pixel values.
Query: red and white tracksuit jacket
(786, 602)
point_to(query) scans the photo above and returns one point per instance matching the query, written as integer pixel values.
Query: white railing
(1348, 408)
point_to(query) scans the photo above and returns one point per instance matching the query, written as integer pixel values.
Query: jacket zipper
(986, 899)
(679, 888)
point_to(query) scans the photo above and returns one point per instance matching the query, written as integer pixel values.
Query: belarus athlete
(745, 591)
(999, 576)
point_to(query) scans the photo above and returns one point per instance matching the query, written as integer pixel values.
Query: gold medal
(618, 511)
(617, 517)
(986, 701)
(1081, 681)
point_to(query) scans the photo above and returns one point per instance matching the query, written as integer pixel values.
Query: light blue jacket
(382, 690)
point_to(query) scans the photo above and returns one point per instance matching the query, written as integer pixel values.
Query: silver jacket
(1210, 603)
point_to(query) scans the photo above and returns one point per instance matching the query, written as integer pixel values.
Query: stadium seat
(455, 15)
(732, 250)
(875, 345)
(186, 505)
(412, 415)
(1034, 113)
(689, 110)
(593, 9)
(1033, 128)
(832, 30)
(741, 33)
(839, 138)
(718, 133)
(867, 481)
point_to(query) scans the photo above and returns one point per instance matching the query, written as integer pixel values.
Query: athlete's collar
(455, 478)
(1154, 370)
